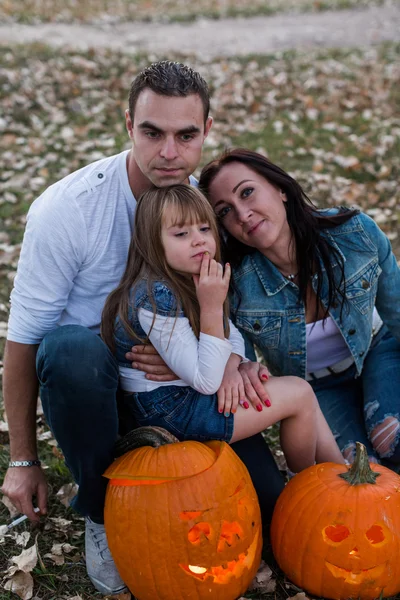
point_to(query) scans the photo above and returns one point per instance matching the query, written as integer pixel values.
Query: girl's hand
(253, 373)
(231, 391)
(212, 284)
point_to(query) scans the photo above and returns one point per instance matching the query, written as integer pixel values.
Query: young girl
(173, 295)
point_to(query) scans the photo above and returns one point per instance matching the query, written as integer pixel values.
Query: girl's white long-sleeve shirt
(199, 363)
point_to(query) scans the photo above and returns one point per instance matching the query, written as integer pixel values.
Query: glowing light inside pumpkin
(224, 573)
(198, 531)
(230, 535)
(197, 570)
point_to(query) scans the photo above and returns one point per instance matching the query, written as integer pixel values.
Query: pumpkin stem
(143, 436)
(360, 471)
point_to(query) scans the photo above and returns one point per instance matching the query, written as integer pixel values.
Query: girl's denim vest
(270, 316)
(166, 304)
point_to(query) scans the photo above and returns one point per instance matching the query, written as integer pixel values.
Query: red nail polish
(264, 377)
(259, 407)
(220, 410)
(267, 402)
(246, 405)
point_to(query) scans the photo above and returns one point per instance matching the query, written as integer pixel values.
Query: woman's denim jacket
(271, 317)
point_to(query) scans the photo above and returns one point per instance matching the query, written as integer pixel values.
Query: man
(74, 251)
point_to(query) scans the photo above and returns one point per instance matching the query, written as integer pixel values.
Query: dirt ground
(225, 37)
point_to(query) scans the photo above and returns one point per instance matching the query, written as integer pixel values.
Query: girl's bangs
(188, 211)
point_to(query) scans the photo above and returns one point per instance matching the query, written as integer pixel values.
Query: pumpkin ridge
(313, 503)
(304, 498)
(146, 462)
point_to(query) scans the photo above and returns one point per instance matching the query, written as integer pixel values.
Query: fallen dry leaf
(299, 596)
(263, 581)
(21, 539)
(57, 553)
(20, 584)
(27, 560)
(3, 530)
(66, 493)
(60, 523)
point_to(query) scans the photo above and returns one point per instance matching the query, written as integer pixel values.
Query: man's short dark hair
(168, 78)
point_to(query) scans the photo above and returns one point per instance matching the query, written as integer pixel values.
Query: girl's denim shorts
(184, 412)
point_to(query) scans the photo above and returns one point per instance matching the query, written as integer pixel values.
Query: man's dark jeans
(78, 378)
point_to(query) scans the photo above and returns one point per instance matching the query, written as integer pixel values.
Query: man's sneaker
(100, 565)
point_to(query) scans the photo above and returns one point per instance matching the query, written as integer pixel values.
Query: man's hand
(146, 358)
(253, 374)
(21, 484)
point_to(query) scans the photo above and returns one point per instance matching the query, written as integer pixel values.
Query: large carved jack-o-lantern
(336, 531)
(182, 519)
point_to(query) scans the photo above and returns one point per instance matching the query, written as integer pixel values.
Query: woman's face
(250, 208)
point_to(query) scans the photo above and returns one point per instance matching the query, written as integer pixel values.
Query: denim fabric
(78, 378)
(164, 304)
(271, 317)
(354, 407)
(78, 387)
(186, 413)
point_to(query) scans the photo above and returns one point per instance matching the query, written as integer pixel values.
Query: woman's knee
(385, 437)
(305, 394)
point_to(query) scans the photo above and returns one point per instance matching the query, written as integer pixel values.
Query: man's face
(167, 134)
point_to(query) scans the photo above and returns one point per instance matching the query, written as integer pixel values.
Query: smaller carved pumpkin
(182, 519)
(335, 531)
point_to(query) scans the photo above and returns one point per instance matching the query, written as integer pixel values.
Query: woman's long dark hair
(305, 223)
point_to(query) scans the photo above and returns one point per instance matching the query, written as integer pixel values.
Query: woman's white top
(326, 345)
(199, 363)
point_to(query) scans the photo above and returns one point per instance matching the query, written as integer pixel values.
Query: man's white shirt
(74, 250)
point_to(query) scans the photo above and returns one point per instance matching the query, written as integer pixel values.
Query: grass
(86, 11)
(330, 117)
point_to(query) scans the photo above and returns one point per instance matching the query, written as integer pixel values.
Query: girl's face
(249, 207)
(185, 245)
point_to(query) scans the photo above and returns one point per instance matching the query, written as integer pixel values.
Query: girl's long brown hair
(146, 257)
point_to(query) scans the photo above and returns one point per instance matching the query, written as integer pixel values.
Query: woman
(317, 292)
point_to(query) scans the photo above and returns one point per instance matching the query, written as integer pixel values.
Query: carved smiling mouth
(356, 577)
(231, 568)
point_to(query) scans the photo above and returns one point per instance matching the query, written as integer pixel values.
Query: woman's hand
(212, 284)
(231, 391)
(253, 374)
